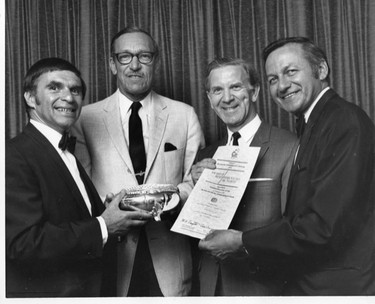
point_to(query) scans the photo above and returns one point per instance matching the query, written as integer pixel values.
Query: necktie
(235, 137)
(136, 145)
(67, 142)
(300, 125)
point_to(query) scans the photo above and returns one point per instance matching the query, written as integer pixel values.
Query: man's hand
(223, 244)
(119, 221)
(198, 168)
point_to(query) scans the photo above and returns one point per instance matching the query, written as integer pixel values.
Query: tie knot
(236, 136)
(135, 107)
(67, 142)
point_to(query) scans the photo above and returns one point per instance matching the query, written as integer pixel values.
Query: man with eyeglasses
(232, 87)
(137, 136)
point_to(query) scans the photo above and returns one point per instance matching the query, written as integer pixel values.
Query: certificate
(217, 194)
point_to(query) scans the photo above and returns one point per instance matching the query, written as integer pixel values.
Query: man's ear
(254, 97)
(30, 99)
(209, 99)
(112, 65)
(323, 70)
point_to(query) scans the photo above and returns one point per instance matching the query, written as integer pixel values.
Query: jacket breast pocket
(173, 164)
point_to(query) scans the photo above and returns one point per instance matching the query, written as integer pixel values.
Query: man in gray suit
(232, 87)
(151, 261)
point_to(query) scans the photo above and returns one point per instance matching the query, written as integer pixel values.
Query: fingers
(202, 245)
(109, 197)
(207, 163)
(119, 196)
(140, 215)
(197, 169)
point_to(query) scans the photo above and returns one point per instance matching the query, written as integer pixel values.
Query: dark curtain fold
(190, 34)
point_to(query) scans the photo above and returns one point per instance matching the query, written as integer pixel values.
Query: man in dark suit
(56, 223)
(325, 241)
(232, 87)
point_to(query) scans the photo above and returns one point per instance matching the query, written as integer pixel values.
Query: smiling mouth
(289, 95)
(230, 109)
(66, 110)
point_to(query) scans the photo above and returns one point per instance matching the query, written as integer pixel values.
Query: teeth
(289, 95)
(65, 110)
(229, 109)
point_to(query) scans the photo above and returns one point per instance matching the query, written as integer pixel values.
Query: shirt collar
(52, 135)
(248, 131)
(125, 103)
(312, 106)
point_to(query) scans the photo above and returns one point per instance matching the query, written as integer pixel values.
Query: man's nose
(135, 64)
(67, 95)
(284, 84)
(227, 95)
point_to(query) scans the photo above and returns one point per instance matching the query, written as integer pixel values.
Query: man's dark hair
(225, 61)
(49, 65)
(313, 54)
(134, 29)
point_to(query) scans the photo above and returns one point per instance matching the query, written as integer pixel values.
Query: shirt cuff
(103, 228)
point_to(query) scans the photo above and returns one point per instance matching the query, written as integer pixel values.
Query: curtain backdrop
(190, 33)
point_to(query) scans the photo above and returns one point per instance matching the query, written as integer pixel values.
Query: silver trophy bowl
(155, 198)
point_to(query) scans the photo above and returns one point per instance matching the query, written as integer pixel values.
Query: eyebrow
(283, 70)
(54, 83)
(216, 87)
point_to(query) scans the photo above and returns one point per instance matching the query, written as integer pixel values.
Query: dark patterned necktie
(300, 125)
(235, 137)
(67, 142)
(136, 145)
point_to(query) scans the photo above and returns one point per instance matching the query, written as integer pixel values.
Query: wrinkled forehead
(133, 42)
(228, 74)
(63, 77)
(285, 56)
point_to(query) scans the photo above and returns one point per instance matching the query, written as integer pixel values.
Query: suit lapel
(54, 160)
(96, 203)
(304, 140)
(112, 121)
(158, 122)
(315, 114)
(261, 139)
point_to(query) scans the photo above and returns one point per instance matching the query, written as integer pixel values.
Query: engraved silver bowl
(155, 198)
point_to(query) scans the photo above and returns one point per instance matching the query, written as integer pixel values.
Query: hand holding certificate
(217, 194)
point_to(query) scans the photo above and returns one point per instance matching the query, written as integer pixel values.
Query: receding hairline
(152, 42)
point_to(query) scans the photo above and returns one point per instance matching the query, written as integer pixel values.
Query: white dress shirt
(247, 132)
(307, 113)
(69, 160)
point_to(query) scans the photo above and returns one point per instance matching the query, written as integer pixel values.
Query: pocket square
(169, 147)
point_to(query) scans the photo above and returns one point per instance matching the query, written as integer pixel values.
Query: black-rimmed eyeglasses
(126, 57)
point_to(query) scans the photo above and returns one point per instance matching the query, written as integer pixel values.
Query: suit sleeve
(81, 151)
(332, 204)
(35, 232)
(194, 142)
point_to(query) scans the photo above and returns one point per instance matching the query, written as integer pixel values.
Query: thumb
(108, 198)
